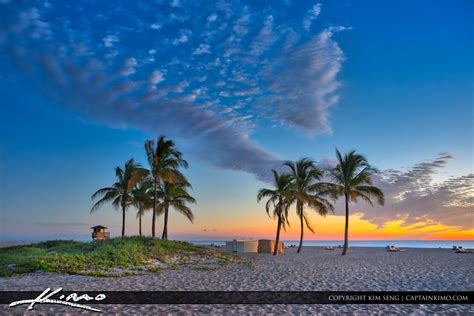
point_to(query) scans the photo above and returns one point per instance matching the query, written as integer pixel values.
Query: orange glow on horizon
(332, 228)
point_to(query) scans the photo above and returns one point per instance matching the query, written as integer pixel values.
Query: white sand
(368, 269)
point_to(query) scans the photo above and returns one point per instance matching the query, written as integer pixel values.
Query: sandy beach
(369, 269)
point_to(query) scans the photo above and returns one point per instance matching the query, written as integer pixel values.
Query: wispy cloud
(311, 15)
(212, 73)
(303, 81)
(110, 40)
(412, 196)
(202, 49)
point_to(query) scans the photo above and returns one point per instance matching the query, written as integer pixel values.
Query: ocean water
(365, 243)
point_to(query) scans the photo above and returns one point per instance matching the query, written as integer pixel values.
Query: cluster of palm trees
(302, 186)
(159, 188)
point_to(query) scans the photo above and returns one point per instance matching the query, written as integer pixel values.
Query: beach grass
(112, 257)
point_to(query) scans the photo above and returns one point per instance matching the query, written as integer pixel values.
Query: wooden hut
(98, 232)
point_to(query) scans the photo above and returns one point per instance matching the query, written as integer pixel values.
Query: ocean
(365, 243)
(468, 244)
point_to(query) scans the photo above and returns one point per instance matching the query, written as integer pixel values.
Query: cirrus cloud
(261, 68)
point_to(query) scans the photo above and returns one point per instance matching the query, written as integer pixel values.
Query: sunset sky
(240, 86)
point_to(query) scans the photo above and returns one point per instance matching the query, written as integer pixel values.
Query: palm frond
(371, 193)
(185, 210)
(150, 152)
(307, 222)
(109, 196)
(102, 191)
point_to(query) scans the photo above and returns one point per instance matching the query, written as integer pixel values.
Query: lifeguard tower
(98, 232)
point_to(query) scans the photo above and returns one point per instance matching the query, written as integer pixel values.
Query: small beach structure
(462, 250)
(98, 232)
(242, 246)
(392, 248)
(267, 246)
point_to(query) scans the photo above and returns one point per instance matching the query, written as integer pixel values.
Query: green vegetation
(112, 257)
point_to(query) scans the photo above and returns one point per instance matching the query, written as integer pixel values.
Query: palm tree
(278, 200)
(164, 160)
(119, 192)
(352, 177)
(306, 190)
(176, 196)
(142, 199)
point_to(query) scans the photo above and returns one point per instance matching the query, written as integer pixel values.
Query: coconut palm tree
(352, 177)
(278, 201)
(142, 200)
(119, 192)
(176, 196)
(164, 160)
(306, 190)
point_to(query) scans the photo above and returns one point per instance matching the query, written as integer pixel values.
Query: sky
(240, 86)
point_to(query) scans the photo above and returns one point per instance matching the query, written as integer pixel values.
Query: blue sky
(240, 86)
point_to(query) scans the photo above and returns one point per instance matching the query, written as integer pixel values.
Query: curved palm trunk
(346, 229)
(123, 219)
(140, 224)
(277, 239)
(300, 209)
(165, 227)
(155, 200)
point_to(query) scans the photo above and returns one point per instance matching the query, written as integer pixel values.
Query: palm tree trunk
(346, 229)
(153, 220)
(140, 224)
(300, 209)
(165, 227)
(123, 219)
(277, 239)
(155, 201)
